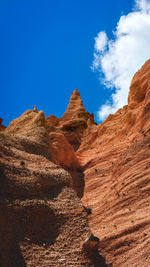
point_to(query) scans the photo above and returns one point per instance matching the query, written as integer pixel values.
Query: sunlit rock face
(76, 123)
(116, 162)
(74, 193)
(31, 124)
(140, 85)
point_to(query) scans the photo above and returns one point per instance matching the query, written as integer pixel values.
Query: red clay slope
(116, 160)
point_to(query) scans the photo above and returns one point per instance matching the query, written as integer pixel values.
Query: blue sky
(47, 50)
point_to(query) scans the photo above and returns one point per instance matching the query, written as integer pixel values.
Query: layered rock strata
(76, 123)
(46, 164)
(43, 222)
(116, 160)
(66, 135)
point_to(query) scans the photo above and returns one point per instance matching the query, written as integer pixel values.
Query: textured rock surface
(30, 125)
(66, 135)
(43, 222)
(76, 124)
(63, 154)
(30, 129)
(117, 169)
(31, 133)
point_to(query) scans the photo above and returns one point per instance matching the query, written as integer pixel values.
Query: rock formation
(117, 183)
(48, 164)
(2, 127)
(66, 135)
(76, 124)
(43, 222)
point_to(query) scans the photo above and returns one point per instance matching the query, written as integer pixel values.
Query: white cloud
(120, 58)
(142, 5)
(100, 42)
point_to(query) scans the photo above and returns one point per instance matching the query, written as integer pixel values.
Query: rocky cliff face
(66, 135)
(74, 193)
(43, 221)
(117, 183)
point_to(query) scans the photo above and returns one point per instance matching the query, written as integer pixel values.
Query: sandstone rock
(76, 118)
(116, 161)
(42, 219)
(75, 108)
(76, 124)
(21, 180)
(140, 84)
(51, 123)
(90, 248)
(2, 127)
(91, 243)
(43, 222)
(35, 109)
(62, 152)
(31, 132)
(29, 124)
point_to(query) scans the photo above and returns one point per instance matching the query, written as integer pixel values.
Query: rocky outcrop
(90, 248)
(2, 127)
(116, 159)
(75, 109)
(76, 124)
(66, 135)
(140, 85)
(43, 222)
(63, 154)
(48, 164)
(31, 133)
(30, 125)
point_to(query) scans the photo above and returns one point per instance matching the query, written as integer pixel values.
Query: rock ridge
(116, 162)
(48, 164)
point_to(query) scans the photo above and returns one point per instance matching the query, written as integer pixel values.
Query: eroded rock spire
(75, 108)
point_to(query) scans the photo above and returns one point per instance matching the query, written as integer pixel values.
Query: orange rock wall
(48, 164)
(116, 160)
